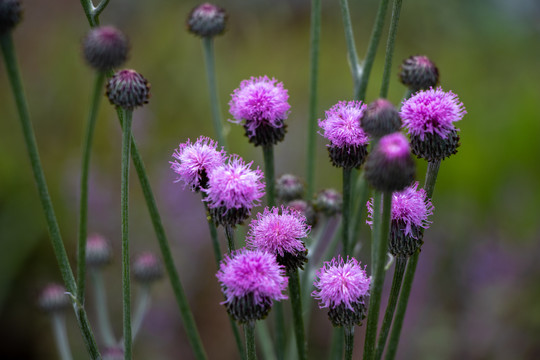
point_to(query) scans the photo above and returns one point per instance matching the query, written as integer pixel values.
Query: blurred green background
(477, 292)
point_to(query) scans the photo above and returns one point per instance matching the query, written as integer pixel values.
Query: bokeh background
(476, 295)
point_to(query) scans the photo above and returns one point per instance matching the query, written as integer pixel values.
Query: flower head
(280, 234)
(207, 20)
(53, 298)
(251, 281)
(147, 268)
(194, 161)
(341, 283)
(105, 48)
(98, 251)
(128, 89)
(431, 112)
(381, 118)
(10, 15)
(419, 73)
(262, 105)
(329, 202)
(289, 187)
(342, 124)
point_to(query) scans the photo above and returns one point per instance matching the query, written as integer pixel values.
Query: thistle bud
(289, 187)
(418, 73)
(10, 15)
(98, 251)
(329, 202)
(128, 89)
(207, 20)
(105, 48)
(53, 298)
(380, 118)
(147, 268)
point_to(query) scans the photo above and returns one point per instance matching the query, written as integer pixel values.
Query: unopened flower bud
(128, 89)
(380, 118)
(147, 268)
(105, 48)
(306, 209)
(113, 353)
(329, 202)
(419, 73)
(53, 298)
(98, 251)
(10, 15)
(207, 20)
(289, 187)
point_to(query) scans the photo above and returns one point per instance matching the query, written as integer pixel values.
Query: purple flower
(277, 233)
(234, 186)
(251, 281)
(260, 101)
(341, 283)
(195, 160)
(411, 207)
(342, 124)
(432, 111)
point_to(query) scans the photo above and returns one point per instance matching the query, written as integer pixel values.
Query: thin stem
(396, 11)
(391, 307)
(361, 195)
(60, 336)
(126, 281)
(143, 301)
(83, 206)
(352, 55)
(12, 69)
(102, 310)
(346, 212)
(349, 341)
(263, 334)
(229, 233)
(279, 330)
(298, 322)
(381, 228)
(372, 49)
(208, 47)
(213, 235)
(98, 9)
(249, 331)
(313, 81)
(336, 347)
(268, 155)
(429, 187)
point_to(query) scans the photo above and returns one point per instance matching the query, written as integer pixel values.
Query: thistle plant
(292, 250)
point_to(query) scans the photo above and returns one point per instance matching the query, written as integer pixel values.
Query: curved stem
(372, 49)
(98, 9)
(83, 206)
(396, 11)
(12, 69)
(126, 281)
(298, 322)
(102, 310)
(208, 47)
(60, 336)
(349, 341)
(352, 55)
(268, 155)
(313, 80)
(391, 307)
(381, 228)
(346, 212)
(249, 330)
(142, 306)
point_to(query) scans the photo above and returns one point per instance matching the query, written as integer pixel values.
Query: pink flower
(342, 124)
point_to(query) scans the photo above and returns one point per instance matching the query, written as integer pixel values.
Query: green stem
(296, 303)
(391, 307)
(126, 281)
(142, 306)
(372, 48)
(208, 47)
(249, 330)
(381, 229)
(313, 80)
(429, 187)
(229, 233)
(336, 347)
(60, 336)
(361, 195)
(102, 310)
(12, 69)
(213, 235)
(263, 334)
(279, 330)
(396, 11)
(352, 55)
(349, 341)
(83, 206)
(346, 212)
(407, 94)
(268, 155)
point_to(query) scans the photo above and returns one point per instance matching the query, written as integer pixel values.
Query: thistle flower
(390, 166)
(53, 298)
(128, 89)
(329, 202)
(348, 142)
(280, 234)
(343, 287)
(233, 190)
(251, 281)
(261, 105)
(147, 268)
(429, 118)
(98, 251)
(380, 118)
(194, 161)
(206, 20)
(289, 187)
(10, 15)
(418, 73)
(105, 48)
(410, 211)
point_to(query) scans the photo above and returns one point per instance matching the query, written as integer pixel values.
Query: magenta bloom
(341, 283)
(342, 124)
(262, 105)
(251, 281)
(432, 111)
(195, 160)
(280, 234)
